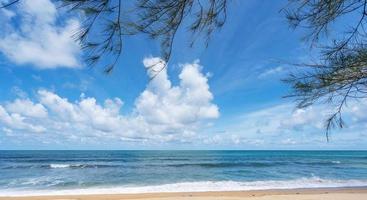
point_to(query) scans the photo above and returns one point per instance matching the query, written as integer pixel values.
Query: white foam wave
(55, 166)
(202, 186)
(59, 165)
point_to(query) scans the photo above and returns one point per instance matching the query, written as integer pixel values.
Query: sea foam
(201, 186)
(59, 165)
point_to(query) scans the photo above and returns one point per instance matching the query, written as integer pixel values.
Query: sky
(226, 96)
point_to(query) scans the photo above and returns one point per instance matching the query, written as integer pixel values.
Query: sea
(104, 172)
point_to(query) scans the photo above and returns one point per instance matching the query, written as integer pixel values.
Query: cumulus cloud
(15, 121)
(27, 108)
(162, 112)
(39, 39)
(162, 103)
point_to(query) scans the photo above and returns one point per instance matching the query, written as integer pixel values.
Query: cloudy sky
(226, 96)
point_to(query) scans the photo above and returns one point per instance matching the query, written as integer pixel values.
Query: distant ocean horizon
(144, 171)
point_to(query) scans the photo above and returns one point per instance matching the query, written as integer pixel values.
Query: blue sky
(226, 96)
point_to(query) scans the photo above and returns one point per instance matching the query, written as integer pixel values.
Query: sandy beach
(299, 194)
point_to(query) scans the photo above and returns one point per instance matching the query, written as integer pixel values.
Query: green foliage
(159, 19)
(341, 73)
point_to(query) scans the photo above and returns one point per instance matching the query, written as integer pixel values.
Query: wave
(246, 164)
(226, 164)
(79, 166)
(175, 165)
(41, 160)
(321, 163)
(201, 186)
(60, 166)
(55, 166)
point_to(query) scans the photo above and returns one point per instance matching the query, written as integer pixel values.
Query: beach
(294, 194)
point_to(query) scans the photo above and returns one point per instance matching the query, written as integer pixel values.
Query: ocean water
(93, 172)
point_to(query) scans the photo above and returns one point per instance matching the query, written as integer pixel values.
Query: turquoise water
(41, 172)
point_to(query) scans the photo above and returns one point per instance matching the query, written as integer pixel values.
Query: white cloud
(85, 112)
(18, 122)
(284, 125)
(162, 103)
(289, 141)
(27, 108)
(39, 40)
(281, 118)
(271, 71)
(163, 112)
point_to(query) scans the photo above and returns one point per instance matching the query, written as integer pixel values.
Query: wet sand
(293, 194)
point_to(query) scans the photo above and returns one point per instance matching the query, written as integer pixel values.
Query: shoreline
(346, 193)
(314, 183)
